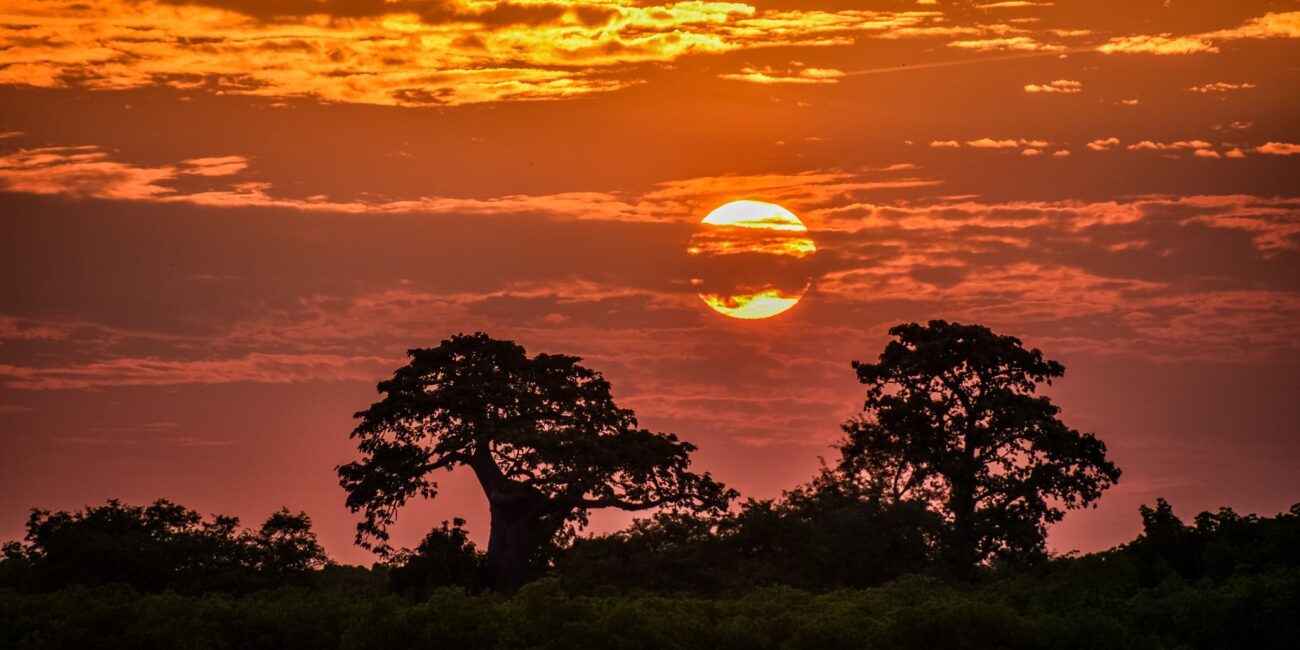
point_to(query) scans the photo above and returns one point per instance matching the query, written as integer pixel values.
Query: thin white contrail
(988, 59)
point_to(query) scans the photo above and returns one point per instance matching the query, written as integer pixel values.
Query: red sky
(223, 221)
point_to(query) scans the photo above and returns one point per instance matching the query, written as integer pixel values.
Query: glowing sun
(751, 259)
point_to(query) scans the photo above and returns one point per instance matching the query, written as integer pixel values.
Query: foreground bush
(1086, 603)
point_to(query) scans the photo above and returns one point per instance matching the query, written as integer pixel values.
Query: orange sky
(222, 221)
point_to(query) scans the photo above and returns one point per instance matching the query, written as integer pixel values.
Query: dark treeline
(1222, 581)
(927, 530)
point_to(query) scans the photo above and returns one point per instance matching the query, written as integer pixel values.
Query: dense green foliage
(1226, 581)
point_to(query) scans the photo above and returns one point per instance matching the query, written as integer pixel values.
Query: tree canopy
(164, 546)
(542, 435)
(952, 418)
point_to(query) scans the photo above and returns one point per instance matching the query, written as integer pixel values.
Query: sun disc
(752, 259)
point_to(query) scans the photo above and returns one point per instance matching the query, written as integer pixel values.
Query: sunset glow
(222, 222)
(751, 307)
(750, 249)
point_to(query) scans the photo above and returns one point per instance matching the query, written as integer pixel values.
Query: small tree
(952, 418)
(444, 558)
(542, 435)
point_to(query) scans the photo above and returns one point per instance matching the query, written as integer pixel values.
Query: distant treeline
(928, 531)
(781, 574)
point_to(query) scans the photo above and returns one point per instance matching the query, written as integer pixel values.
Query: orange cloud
(1012, 4)
(990, 143)
(1148, 145)
(794, 76)
(1220, 87)
(1271, 25)
(1164, 44)
(254, 367)
(397, 52)
(88, 172)
(1279, 148)
(1103, 145)
(1013, 43)
(1058, 86)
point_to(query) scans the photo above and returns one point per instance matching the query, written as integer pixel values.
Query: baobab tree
(542, 435)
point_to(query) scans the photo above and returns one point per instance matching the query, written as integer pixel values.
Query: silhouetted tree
(542, 435)
(285, 544)
(826, 534)
(951, 418)
(445, 558)
(164, 546)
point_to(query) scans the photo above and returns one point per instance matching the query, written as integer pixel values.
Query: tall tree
(952, 418)
(542, 435)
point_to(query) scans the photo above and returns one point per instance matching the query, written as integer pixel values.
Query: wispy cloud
(1220, 87)
(1271, 25)
(795, 75)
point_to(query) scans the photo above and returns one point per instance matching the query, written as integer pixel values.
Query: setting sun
(751, 256)
(666, 323)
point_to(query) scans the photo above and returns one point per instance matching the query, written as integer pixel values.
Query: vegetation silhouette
(542, 435)
(1226, 581)
(927, 532)
(162, 546)
(952, 419)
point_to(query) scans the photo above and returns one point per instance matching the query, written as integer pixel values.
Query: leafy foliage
(952, 418)
(161, 546)
(542, 435)
(1226, 581)
(826, 534)
(444, 558)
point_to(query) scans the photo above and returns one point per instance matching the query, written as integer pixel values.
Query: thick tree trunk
(963, 551)
(520, 525)
(511, 545)
(963, 547)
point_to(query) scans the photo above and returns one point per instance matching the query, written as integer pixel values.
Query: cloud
(990, 143)
(214, 166)
(89, 172)
(1220, 87)
(1012, 4)
(1198, 146)
(1271, 25)
(942, 144)
(1058, 86)
(1012, 43)
(797, 75)
(400, 52)
(1279, 148)
(1163, 44)
(256, 367)
(1104, 144)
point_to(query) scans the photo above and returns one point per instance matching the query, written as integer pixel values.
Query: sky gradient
(223, 221)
